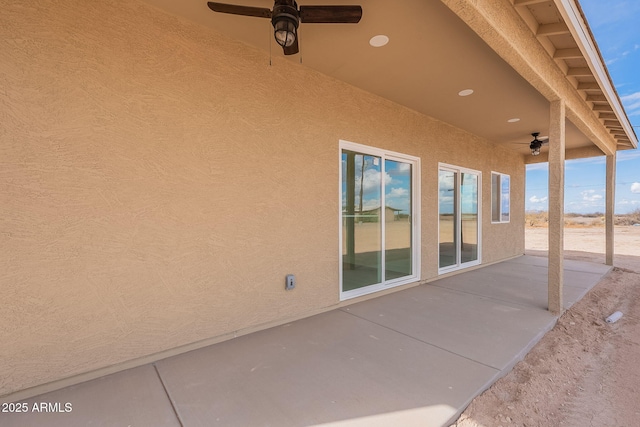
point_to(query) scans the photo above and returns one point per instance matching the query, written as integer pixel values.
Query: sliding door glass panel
(495, 197)
(447, 207)
(469, 217)
(398, 221)
(361, 220)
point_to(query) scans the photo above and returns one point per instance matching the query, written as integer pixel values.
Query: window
(500, 197)
(379, 231)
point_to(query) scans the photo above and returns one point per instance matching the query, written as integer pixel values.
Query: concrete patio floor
(411, 358)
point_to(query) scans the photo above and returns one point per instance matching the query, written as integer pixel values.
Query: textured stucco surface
(555, 281)
(158, 180)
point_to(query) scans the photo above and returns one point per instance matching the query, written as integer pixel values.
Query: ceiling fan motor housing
(535, 144)
(285, 20)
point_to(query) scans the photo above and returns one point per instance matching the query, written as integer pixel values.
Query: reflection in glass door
(468, 217)
(362, 243)
(448, 207)
(459, 225)
(378, 224)
(398, 220)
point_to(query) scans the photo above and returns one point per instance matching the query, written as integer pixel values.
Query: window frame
(415, 214)
(500, 176)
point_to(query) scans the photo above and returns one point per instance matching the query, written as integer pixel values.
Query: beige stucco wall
(158, 180)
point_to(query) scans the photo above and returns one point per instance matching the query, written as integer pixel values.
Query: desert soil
(584, 372)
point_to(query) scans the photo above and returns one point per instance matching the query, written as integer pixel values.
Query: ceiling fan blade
(293, 49)
(233, 9)
(330, 14)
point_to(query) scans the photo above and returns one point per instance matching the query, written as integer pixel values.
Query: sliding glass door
(361, 220)
(448, 206)
(469, 226)
(379, 228)
(398, 220)
(459, 217)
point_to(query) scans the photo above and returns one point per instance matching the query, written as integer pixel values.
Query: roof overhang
(517, 56)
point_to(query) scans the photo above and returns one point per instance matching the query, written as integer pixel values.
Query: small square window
(500, 197)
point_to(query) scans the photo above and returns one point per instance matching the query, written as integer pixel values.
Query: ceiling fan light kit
(535, 149)
(285, 32)
(286, 17)
(536, 143)
(285, 23)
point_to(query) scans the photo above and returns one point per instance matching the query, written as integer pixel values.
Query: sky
(397, 183)
(614, 24)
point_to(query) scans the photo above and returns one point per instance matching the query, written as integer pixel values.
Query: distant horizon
(596, 213)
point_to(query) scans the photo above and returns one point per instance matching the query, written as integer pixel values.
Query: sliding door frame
(416, 243)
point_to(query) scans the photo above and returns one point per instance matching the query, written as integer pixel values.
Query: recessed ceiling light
(379, 41)
(465, 92)
(515, 119)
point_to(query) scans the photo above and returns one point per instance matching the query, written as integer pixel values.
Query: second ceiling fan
(537, 143)
(286, 17)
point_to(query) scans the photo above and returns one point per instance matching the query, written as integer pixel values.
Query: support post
(610, 207)
(556, 205)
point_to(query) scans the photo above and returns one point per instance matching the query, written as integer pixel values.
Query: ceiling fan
(286, 17)
(538, 141)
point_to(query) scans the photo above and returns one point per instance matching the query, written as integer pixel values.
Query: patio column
(556, 204)
(610, 207)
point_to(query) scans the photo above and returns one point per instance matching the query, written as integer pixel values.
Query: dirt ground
(584, 372)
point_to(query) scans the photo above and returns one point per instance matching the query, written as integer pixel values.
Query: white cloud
(590, 196)
(628, 155)
(631, 97)
(635, 187)
(371, 180)
(446, 199)
(398, 170)
(589, 160)
(631, 103)
(398, 192)
(536, 199)
(404, 167)
(628, 202)
(368, 205)
(537, 166)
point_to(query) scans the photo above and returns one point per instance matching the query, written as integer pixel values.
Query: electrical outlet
(290, 282)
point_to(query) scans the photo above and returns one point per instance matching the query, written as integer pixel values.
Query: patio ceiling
(432, 55)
